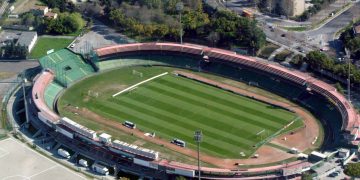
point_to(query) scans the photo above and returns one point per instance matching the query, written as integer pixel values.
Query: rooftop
(40, 7)
(105, 136)
(26, 37)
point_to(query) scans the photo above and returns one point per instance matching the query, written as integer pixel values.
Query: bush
(65, 24)
(353, 169)
(297, 61)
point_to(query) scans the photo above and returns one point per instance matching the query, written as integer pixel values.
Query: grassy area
(175, 107)
(266, 51)
(299, 28)
(282, 55)
(5, 75)
(44, 44)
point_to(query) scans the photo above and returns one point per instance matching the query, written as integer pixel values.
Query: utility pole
(23, 83)
(180, 7)
(198, 139)
(347, 56)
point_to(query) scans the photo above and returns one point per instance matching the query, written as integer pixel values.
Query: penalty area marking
(137, 84)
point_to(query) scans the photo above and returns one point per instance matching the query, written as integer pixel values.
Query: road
(329, 30)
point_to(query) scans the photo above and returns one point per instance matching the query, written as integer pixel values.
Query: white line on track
(142, 82)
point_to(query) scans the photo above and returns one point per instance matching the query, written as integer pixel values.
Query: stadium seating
(41, 82)
(68, 67)
(51, 91)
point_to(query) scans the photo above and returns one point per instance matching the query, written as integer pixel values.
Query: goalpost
(137, 73)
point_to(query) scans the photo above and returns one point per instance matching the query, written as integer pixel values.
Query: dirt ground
(301, 139)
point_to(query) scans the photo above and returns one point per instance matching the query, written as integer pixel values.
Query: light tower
(198, 139)
(347, 56)
(179, 8)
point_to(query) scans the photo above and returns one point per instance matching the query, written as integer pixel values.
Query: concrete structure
(105, 138)
(316, 156)
(290, 7)
(28, 39)
(343, 153)
(293, 7)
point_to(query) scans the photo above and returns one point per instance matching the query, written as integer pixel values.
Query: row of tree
(66, 23)
(160, 20)
(319, 61)
(351, 41)
(13, 51)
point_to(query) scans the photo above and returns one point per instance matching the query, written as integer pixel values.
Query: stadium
(140, 104)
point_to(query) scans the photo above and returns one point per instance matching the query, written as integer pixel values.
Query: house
(40, 10)
(356, 30)
(51, 15)
(28, 39)
(343, 153)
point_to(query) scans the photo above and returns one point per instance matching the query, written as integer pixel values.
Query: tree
(319, 60)
(213, 38)
(28, 19)
(14, 51)
(65, 24)
(160, 31)
(352, 169)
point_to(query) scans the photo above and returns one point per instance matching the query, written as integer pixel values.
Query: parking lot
(18, 161)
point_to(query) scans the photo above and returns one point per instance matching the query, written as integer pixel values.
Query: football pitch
(174, 107)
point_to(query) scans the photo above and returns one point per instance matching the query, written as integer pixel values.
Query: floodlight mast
(198, 139)
(179, 8)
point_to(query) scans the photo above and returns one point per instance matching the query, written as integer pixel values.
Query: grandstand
(51, 92)
(68, 66)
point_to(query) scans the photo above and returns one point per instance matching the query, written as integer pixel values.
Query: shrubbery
(352, 169)
(320, 61)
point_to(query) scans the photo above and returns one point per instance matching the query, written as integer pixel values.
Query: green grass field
(174, 107)
(44, 44)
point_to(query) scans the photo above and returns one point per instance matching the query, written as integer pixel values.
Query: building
(28, 39)
(293, 7)
(343, 153)
(290, 7)
(356, 30)
(51, 15)
(316, 156)
(40, 10)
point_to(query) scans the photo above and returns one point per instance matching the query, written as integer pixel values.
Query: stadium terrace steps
(68, 67)
(51, 91)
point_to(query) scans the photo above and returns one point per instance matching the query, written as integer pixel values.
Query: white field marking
(43, 171)
(14, 176)
(142, 82)
(47, 158)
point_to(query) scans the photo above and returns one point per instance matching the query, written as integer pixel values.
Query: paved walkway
(277, 51)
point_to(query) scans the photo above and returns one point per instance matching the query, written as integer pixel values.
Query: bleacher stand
(68, 66)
